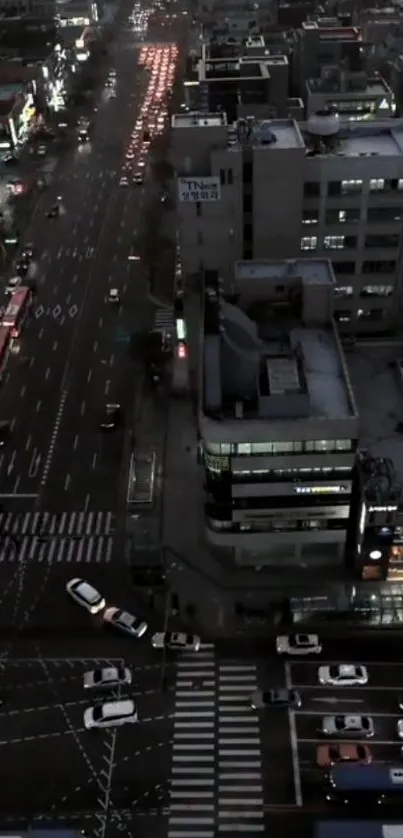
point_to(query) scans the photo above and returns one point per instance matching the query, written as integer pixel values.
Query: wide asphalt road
(76, 341)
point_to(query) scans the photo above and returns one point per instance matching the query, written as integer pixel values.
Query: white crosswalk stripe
(216, 777)
(192, 788)
(47, 538)
(240, 782)
(52, 524)
(95, 549)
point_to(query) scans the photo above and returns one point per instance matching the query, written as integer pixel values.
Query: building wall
(342, 207)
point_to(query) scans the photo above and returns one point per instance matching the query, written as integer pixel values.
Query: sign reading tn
(192, 190)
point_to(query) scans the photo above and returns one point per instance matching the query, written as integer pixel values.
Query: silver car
(126, 622)
(107, 678)
(361, 727)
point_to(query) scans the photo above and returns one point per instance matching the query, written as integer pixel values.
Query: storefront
(21, 119)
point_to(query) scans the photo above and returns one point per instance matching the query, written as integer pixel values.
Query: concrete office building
(277, 419)
(276, 190)
(317, 45)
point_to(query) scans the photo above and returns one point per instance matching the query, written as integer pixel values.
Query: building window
(390, 240)
(310, 217)
(342, 316)
(343, 291)
(309, 242)
(376, 291)
(325, 445)
(376, 184)
(344, 216)
(384, 215)
(351, 187)
(311, 189)
(372, 315)
(339, 242)
(198, 208)
(334, 187)
(334, 242)
(230, 177)
(222, 177)
(343, 268)
(381, 266)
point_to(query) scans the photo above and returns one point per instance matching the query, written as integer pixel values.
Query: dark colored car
(53, 212)
(277, 697)
(112, 418)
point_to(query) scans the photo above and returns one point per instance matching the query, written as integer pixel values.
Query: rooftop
(229, 68)
(355, 139)
(267, 133)
(198, 120)
(378, 388)
(265, 356)
(358, 88)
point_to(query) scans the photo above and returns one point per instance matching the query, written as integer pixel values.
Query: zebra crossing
(240, 782)
(52, 524)
(216, 782)
(50, 538)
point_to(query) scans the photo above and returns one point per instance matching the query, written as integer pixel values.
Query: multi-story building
(275, 190)
(354, 96)
(278, 422)
(317, 46)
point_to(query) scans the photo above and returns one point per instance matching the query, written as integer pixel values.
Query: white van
(111, 714)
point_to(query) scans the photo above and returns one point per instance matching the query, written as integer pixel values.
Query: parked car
(347, 725)
(328, 755)
(111, 714)
(343, 675)
(108, 677)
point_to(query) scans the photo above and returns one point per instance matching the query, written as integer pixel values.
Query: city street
(66, 771)
(76, 342)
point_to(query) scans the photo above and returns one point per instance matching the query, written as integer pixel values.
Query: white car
(177, 641)
(85, 595)
(298, 644)
(399, 728)
(111, 714)
(124, 181)
(125, 622)
(343, 675)
(138, 179)
(350, 726)
(113, 296)
(107, 677)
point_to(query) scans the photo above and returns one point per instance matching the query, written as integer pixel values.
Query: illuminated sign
(200, 190)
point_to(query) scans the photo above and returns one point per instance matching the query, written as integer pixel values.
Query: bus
(365, 785)
(357, 829)
(5, 338)
(17, 310)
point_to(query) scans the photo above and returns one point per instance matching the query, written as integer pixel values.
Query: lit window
(349, 186)
(309, 242)
(376, 291)
(310, 217)
(400, 183)
(334, 242)
(343, 291)
(376, 184)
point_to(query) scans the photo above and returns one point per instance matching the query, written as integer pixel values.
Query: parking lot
(52, 764)
(292, 774)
